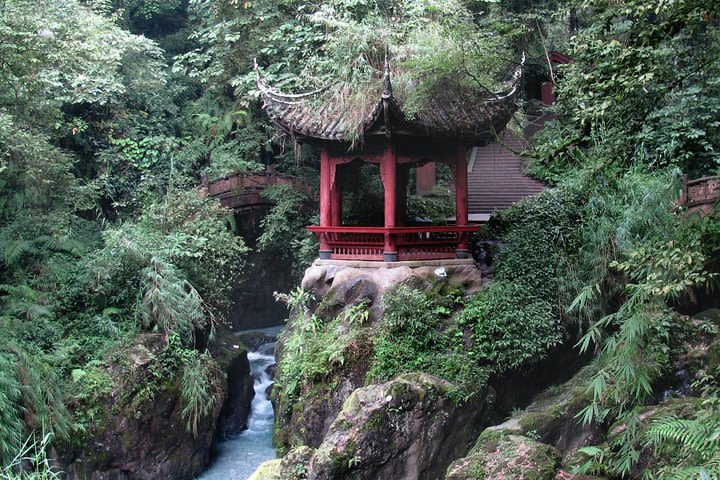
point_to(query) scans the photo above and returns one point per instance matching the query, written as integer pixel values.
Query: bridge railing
(700, 194)
(244, 189)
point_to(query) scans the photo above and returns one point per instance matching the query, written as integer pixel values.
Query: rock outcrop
(537, 440)
(293, 466)
(409, 427)
(143, 434)
(336, 289)
(507, 457)
(240, 392)
(337, 286)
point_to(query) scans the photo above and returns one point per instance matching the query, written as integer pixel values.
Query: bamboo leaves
(171, 305)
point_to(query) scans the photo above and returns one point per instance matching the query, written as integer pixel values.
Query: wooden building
(443, 131)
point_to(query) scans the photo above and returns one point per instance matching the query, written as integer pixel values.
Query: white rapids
(237, 458)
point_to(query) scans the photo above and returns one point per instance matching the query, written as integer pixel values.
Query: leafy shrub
(437, 206)
(510, 326)
(417, 334)
(410, 337)
(171, 304)
(284, 227)
(538, 238)
(11, 424)
(198, 386)
(313, 348)
(31, 397)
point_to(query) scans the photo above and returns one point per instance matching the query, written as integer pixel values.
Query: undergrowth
(314, 348)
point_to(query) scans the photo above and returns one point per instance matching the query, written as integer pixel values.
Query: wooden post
(336, 196)
(684, 190)
(403, 177)
(325, 206)
(461, 201)
(389, 178)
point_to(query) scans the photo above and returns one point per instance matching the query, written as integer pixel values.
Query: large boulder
(507, 457)
(269, 470)
(293, 466)
(410, 427)
(341, 285)
(240, 392)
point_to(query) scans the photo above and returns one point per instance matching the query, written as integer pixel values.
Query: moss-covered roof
(455, 112)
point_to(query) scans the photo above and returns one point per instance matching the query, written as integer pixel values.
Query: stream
(237, 458)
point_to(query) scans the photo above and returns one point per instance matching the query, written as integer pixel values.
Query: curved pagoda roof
(452, 113)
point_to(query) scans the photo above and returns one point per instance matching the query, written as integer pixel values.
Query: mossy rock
(405, 428)
(552, 418)
(507, 457)
(269, 470)
(144, 419)
(296, 463)
(711, 315)
(713, 359)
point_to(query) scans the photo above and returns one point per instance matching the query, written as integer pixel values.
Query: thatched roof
(456, 113)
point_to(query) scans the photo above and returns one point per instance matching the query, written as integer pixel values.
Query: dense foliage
(102, 232)
(111, 111)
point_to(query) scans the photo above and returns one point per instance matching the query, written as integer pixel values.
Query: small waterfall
(237, 458)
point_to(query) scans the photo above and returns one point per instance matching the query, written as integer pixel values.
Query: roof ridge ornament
(277, 94)
(514, 82)
(387, 92)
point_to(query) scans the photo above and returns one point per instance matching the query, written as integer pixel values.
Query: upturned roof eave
(282, 108)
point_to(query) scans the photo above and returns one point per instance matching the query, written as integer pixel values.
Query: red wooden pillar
(461, 201)
(403, 177)
(325, 205)
(389, 178)
(336, 196)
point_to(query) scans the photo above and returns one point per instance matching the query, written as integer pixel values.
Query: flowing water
(237, 458)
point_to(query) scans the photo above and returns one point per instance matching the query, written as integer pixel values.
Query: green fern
(63, 244)
(16, 249)
(689, 446)
(22, 301)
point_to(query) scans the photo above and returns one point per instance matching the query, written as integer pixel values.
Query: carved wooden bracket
(334, 163)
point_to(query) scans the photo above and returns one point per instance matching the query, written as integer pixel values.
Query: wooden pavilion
(443, 131)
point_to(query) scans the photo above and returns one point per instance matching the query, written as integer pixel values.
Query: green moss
(342, 424)
(269, 470)
(488, 441)
(374, 420)
(352, 404)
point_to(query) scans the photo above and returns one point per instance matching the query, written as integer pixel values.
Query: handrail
(381, 230)
(696, 181)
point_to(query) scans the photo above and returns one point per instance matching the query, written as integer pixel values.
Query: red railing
(410, 243)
